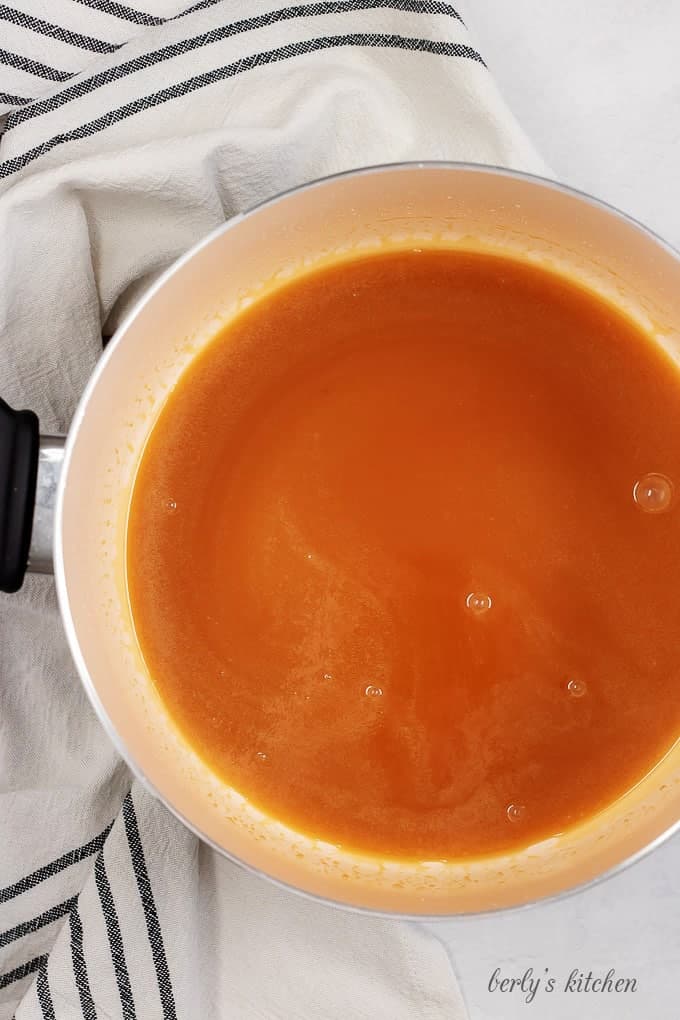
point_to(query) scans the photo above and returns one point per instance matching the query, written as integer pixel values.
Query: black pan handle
(19, 449)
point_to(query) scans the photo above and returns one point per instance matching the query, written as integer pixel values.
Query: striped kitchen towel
(126, 133)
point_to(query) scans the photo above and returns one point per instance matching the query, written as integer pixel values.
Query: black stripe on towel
(153, 927)
(201, 5)
(115, 939)
(183, 88)
(122, 12)
(36, 923)
(85, 86)
(42, 987)
(54, 867)
(23, 971)
(80, 967)
(83, 42)
(10, 100)
(33, 66)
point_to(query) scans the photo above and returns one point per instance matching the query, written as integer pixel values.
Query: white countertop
(596, 85)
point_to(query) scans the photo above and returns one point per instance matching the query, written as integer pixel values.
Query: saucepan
(66, 502)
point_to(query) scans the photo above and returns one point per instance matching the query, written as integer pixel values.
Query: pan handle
(30, 467)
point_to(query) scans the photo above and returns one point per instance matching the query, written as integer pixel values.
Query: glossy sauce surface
(404, 554)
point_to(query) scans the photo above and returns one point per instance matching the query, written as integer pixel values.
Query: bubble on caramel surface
(653, 493)
(478, 602)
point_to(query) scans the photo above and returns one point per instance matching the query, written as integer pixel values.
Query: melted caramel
(385, 563)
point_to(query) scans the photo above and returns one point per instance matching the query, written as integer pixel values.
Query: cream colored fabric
(132, 150)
